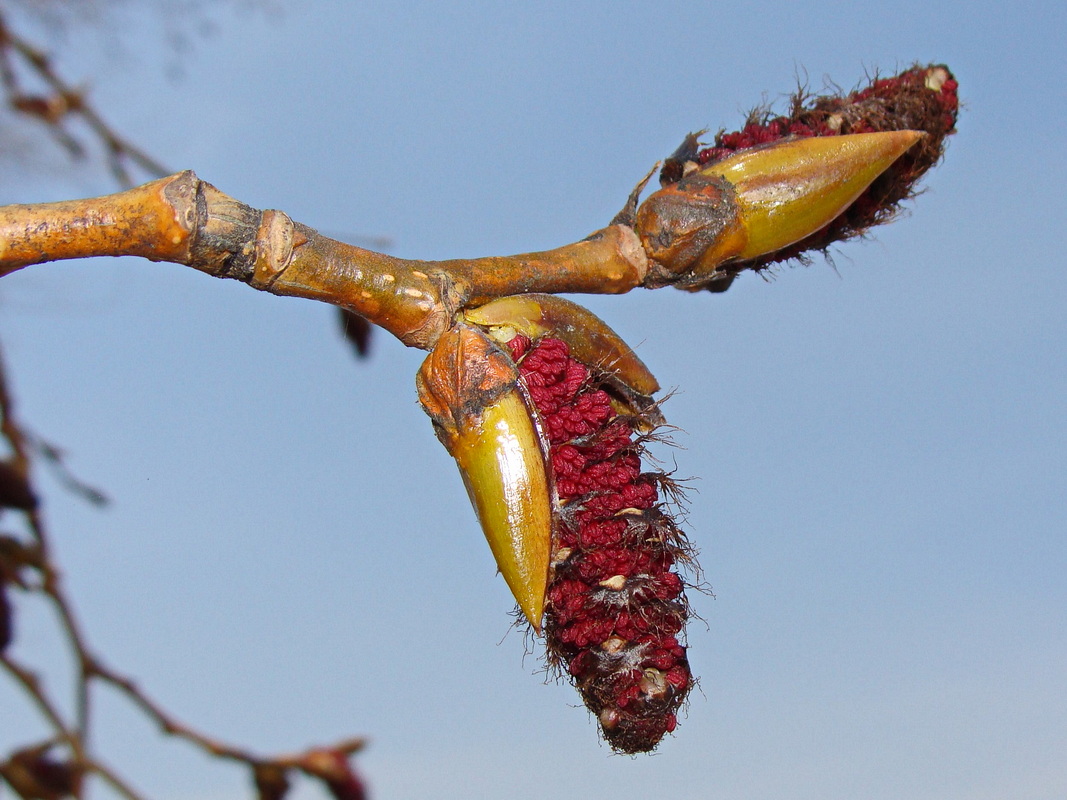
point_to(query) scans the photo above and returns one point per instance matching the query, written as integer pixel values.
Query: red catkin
(922, 98)
(615, 610)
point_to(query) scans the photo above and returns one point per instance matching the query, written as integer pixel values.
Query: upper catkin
(922, 98)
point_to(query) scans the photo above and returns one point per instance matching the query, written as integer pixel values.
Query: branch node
(274, 248)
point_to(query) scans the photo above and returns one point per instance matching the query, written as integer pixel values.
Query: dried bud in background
(7, 622)
(271, 780)
(334, 768)
(15, 491)
(34, 775)
(13, 557)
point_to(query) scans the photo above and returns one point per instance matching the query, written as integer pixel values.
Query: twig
(210, 745)
(31, 683)
(116, 782)
(188, 221)
(166, 723)
(51, 586)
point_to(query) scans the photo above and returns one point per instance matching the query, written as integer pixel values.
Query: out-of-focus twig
(63, 101)
(56, 768)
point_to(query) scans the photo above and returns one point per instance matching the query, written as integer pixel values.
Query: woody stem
(187, 221)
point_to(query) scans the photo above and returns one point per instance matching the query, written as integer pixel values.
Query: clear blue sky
(881, 447)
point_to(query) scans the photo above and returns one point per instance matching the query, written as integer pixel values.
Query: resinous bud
(470, 389)
(761, 200)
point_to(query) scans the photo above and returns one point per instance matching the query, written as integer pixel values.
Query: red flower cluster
(615, 609)
(920, 99)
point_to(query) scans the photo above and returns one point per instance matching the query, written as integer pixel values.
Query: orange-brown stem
(154, 221)
(188, 221)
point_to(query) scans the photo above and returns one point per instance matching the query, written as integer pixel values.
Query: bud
(33, 773)
(612, 599)
(469, 387)
(13, 557)
(15, 491)
(271, 781)
(7, 624)
(710, 248)
(759, 201)
(335, 770)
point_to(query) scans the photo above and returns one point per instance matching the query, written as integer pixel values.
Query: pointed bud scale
(760, 200)
(790, 189)
(504, 472)
(469, 387)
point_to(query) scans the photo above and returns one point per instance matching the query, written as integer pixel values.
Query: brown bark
(184, 220)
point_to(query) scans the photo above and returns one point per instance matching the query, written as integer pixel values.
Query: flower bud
(759, 201)
(469, 387)
(700, 235)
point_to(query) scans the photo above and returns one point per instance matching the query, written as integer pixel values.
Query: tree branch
(184, 220)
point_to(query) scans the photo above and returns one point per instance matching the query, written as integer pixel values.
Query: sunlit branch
(184, 220)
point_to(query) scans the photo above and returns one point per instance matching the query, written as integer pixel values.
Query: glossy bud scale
(760, 200)
(469, 387)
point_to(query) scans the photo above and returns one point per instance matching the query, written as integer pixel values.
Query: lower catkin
(615, 609)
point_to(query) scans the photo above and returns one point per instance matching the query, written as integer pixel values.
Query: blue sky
(879, 444)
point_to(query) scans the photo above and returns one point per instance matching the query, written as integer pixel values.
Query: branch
(781, 188)
(80, 763)
(187, 221)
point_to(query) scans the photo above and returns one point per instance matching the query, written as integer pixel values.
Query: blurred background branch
(63, 765)
(34, 89)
